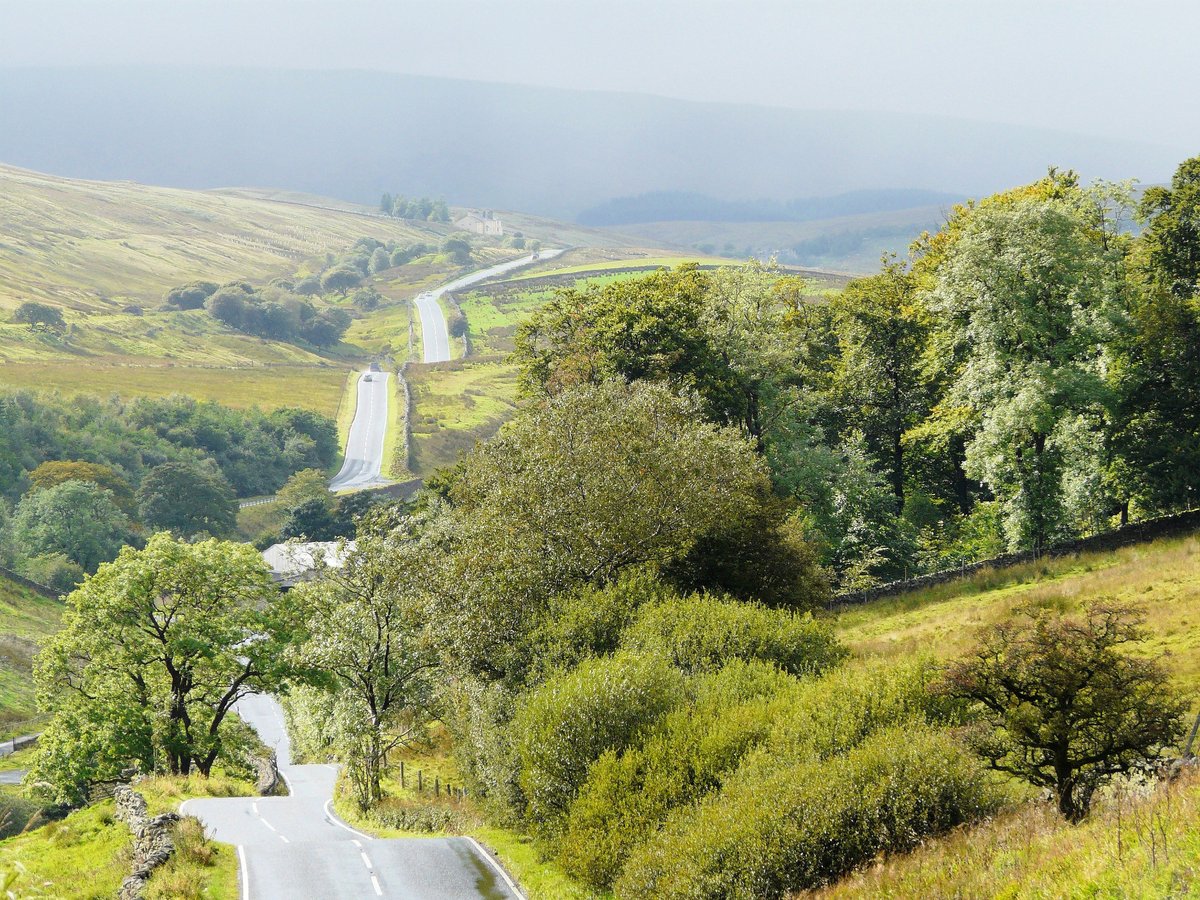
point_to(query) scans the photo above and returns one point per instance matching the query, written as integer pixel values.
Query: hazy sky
(1114, 67)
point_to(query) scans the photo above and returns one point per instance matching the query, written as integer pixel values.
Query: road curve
(295, 848)
(434, 336)
(363, 462)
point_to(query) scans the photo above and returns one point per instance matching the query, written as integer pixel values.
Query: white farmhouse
(482, 221)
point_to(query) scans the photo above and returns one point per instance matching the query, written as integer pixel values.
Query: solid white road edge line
(495, 865)
(245, 872)
(338, 822)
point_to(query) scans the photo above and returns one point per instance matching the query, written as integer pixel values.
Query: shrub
(831, 715)
(568, 722)
(804, 824)
(701, 632)
(589, 620)
(747, 717)
(694, 748)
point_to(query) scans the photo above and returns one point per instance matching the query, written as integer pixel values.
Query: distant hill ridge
(354, 134)
(681, 206)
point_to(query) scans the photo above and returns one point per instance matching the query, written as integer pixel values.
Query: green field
(319, 388)
(455, 404)
(649, 262)
(26, 618)
(1163, 577)
(1137, 843)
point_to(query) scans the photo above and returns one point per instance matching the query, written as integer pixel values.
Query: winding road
(434, 335)
(363, 463)
(295, 848)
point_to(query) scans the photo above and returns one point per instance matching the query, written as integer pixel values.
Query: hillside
(98, 246)
(355, 134)
(850, 243)
(25, 618)
(1138, 843)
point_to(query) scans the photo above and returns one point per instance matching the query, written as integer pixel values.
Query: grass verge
(86, 855)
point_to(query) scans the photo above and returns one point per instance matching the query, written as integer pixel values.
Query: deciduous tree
(187, 499)
(155, 650)
(1065, 705)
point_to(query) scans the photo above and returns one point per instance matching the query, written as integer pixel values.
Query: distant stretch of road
(295, 848)
(364, 447)
(434, 336)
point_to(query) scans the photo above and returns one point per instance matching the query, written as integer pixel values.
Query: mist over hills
(355, 134)
(680, 206)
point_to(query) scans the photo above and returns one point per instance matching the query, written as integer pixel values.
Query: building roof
(292, 562)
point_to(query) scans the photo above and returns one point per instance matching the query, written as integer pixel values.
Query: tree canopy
(155, 650)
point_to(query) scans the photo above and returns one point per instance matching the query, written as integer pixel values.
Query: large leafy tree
(1027, 291)
(187, 499)
(78, 519)
(1064, 703)
(878, 381)
(155, 650)
(1156, 424)
(580, 487)
(650, 328)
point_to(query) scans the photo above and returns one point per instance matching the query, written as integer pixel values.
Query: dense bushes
(277, 313)
(802, 824)
(570, 720)
(627, 795)
(255, 451)
(76, 462)
(701, 633)
(741, 722)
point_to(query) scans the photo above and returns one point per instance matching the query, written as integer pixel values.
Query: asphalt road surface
(434, 336)
(294, 848)
(364, 448)
(12, 776)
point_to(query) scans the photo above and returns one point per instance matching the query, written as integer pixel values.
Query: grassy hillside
(1139, 842)
(99, 249)
(26, 618)
(1162, 576)
(90, 245)
(1135, 845)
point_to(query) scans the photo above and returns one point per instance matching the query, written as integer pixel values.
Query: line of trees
(276, 312)
(1028, 378)
(421, 209)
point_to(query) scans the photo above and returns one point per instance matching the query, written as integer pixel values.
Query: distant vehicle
(375, 367)
(367, 378)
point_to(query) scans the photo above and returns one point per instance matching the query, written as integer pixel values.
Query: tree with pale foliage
(369, 634)
(1027, 291)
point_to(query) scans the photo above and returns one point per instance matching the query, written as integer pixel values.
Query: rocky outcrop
(153, 842)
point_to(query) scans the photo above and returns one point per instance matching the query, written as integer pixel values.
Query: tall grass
(1138, 843)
